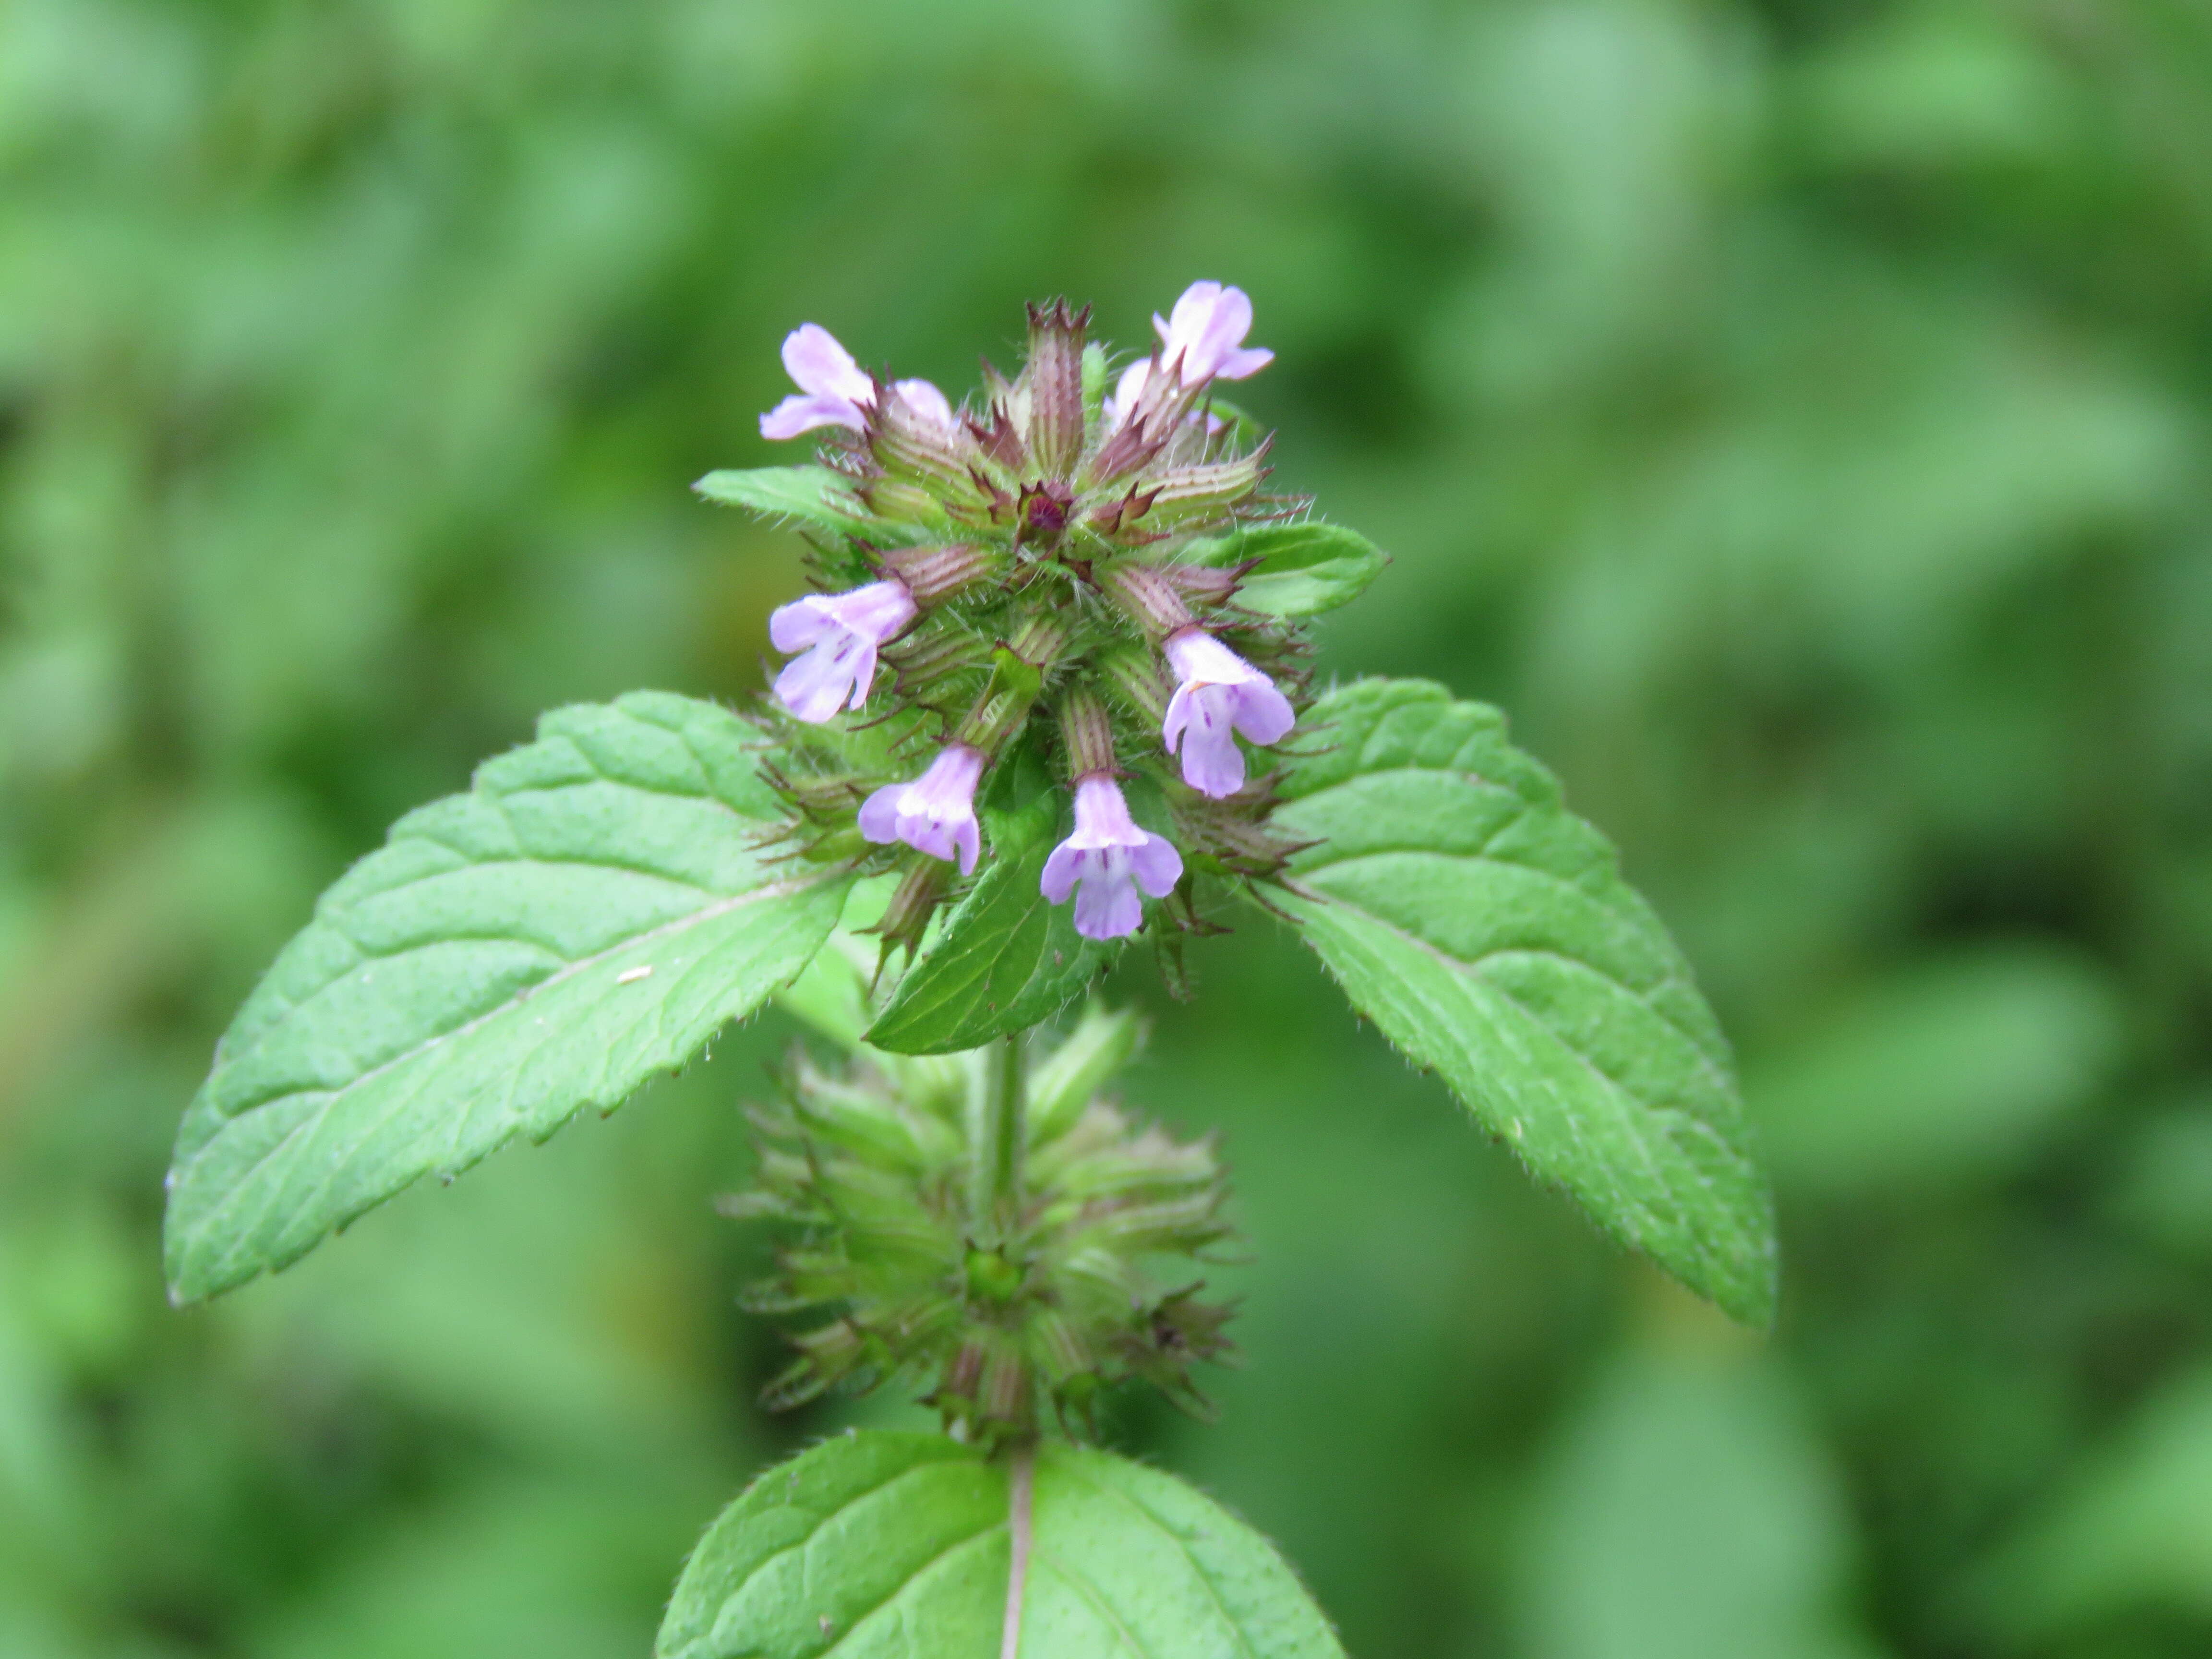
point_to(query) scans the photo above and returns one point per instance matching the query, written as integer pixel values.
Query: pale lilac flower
(1127, 389)
(927, 401)
(934, 814)
(839, 634)
(1202, 340)
(1109, 859)
(833, 390)
(1204, 336)
(1217, 691)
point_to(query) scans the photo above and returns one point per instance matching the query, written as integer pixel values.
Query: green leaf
(1489, 934)
(1303, 569)
(593, 910)
(1005, 958)
(812, 495)
(878, 1546)
(833, 995)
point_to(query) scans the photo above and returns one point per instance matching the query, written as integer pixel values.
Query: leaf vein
(241, 1182)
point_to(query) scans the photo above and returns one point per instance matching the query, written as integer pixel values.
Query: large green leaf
(1300, 569)
(1489, 934)
(588, 915)
(1006, 957)
(882, 1545)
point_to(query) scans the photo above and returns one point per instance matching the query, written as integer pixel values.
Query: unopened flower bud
(1210, 583)
(1044, 510)
(1134, 672)
(914, 436)
(1054, 381)
(1039, 639)
(1005, 702)
(915, 899)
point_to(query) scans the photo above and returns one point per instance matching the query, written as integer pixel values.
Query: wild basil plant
(1051, 698)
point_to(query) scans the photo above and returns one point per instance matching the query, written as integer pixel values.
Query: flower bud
(1054, 376)
(915, 899)
(1135, 673)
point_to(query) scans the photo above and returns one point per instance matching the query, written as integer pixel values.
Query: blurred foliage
(1793, 410)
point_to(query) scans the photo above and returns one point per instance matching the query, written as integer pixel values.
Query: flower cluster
(1053, 565)
(1045, 1301)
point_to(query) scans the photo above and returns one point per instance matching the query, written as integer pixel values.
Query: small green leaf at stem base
(878, 1545)
(1487, 932)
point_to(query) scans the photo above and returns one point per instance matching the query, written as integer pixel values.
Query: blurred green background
(1793, 411)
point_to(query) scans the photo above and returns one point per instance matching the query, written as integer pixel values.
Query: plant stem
(996, 1132)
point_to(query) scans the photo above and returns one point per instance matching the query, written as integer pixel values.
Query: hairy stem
(996, 1132)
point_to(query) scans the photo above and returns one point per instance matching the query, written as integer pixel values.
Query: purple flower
(1203, 339)
(1217, 691)
(935, 813)
(833, 390)
(1204, 336)
(839, 634)
(927, 401)
(1109, 858)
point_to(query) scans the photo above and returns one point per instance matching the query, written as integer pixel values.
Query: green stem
(996, 1132)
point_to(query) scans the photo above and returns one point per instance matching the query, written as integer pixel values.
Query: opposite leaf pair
(1067, 585)
(606, 898)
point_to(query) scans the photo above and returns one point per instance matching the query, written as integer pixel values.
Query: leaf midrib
(1454, 965)
(1712, 1069)
(1129, 1501)
(245, 1179)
